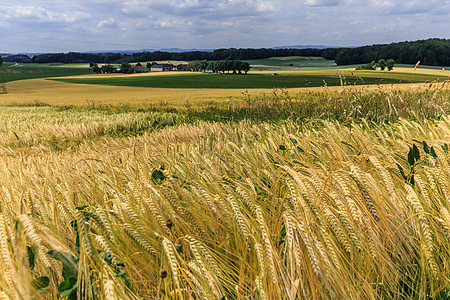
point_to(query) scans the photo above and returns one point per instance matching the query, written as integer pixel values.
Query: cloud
(40, 14)
(110, 22)
(220, 23)
(408, 7)
(323, 2)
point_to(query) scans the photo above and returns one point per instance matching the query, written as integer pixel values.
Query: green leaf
(411, 159)
(445, 148)
(282, 237)
(425, 147)
(432, 152)
(402, 172)
(416, 152)
(300, 150)
(294, 141)
(32, 254)
(124, 277)
(158, 176)
(282, 147)
(41, 284)
(69, 262)
(68, 288)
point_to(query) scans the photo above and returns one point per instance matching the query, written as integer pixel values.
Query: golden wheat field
(42, 90)
(97, 203)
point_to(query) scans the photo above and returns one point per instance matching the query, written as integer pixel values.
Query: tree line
(382, 64)
(235, 66)
(433, 52)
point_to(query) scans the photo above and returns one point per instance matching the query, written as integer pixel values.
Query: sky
(47, 26)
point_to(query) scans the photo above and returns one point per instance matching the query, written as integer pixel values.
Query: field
(230, 81)
(133, 192)
(280, 63)
(13, 72)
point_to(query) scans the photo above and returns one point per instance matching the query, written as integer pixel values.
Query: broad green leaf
(432, 152)
(425, 147)
(124, 277)
(41, 284)
(411, 159)
(402, 172)
(32, 254)
(416, 152)
(158, 176)
(69, 261)
(68, 288)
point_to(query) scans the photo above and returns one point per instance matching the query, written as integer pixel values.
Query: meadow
(13, 72)
(279, 63)
(230, 81)
(318, 193)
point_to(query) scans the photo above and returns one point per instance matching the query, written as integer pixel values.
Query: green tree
(107, 68)
(1, 60)
(126, 68)
(381, 64)
(390, 64)
(95, 68)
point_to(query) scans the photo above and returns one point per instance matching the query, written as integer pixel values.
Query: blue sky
(83, 25)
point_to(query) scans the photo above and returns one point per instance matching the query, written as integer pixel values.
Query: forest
(432, 52)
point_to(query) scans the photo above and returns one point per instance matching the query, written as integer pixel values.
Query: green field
(291, 63)
(229, 81)
(13, 72)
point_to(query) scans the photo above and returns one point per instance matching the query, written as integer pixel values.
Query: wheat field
(185, 209)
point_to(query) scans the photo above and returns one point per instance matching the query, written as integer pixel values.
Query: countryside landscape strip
(299, 181)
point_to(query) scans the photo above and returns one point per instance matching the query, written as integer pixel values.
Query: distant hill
(306, 47)
(130, 52)
(432, 52)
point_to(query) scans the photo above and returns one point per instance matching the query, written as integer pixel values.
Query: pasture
(233, 81)
(13, 72)
(291, 62)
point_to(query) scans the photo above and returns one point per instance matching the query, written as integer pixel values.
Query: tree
(126, 68)
(381, 64)
(390, 64)
(95, 68)
(1, 60)
(107, 68)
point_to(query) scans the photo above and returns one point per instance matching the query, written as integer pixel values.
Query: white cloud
(221, 23)
(322, 2)
(110, 22)
(41, 14)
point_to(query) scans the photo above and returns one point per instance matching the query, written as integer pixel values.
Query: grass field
(230, 81)
(308, 195)
(279, 63)
(12, 72)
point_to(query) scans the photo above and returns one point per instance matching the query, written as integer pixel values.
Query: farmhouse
(183, 67)
(139, 69)
(162, 67)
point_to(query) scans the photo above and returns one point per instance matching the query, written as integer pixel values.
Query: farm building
(139, 69)
(183, 67)
(162, 67)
